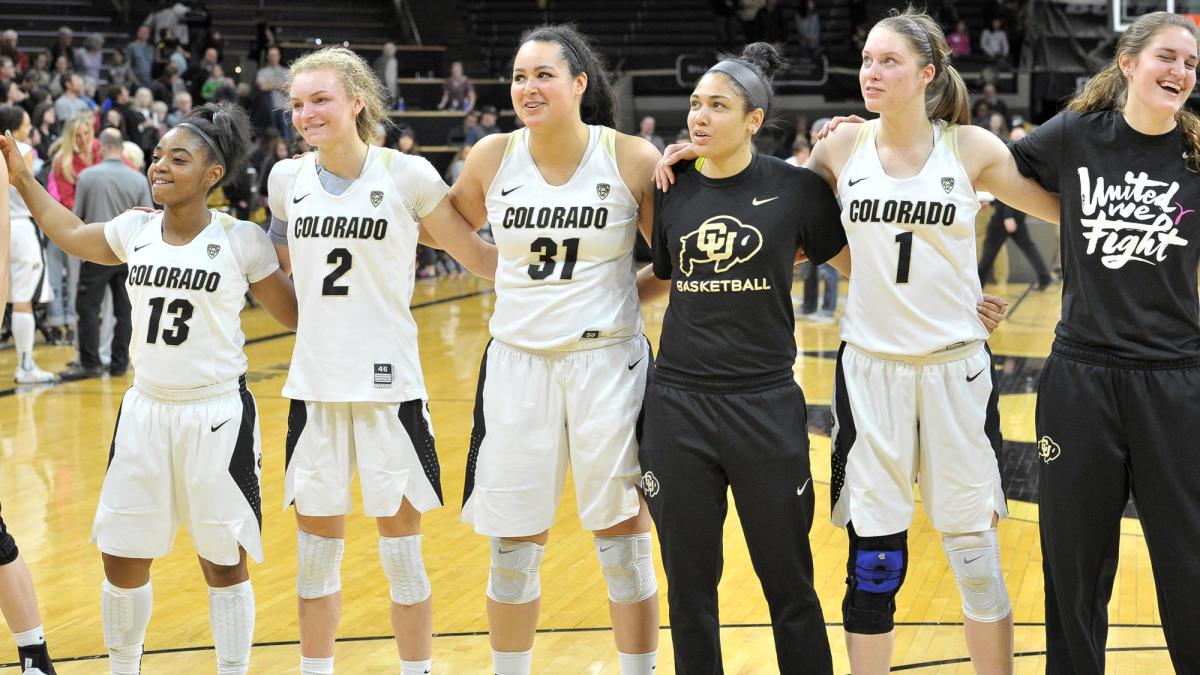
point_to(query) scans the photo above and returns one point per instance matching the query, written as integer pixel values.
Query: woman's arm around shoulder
(830, 154)
(636, 159)
(991, 168)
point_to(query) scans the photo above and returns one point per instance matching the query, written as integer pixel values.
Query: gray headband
(758, 92)
(207, 139)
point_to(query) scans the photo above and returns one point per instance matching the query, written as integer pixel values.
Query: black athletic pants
(1107, 426)
(996, 236)
(701, 438)
(93, 279)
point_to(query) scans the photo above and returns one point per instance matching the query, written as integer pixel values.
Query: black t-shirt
(729, 245)
(1130, 233)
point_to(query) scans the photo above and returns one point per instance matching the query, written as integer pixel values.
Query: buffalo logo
(376, 197)
(602, 190)
(723, 240)
(213, 250)
(947, 184)
(650, 484)
(1048, 450)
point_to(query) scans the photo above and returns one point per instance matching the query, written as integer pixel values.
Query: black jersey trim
(112, 448)
(243, 463)
(846, 433)
(412, 416)
(991, 422)
(479, 430)
(297, 419)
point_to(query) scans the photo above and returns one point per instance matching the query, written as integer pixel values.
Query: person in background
(457, 91)
(646, 131)
(486, 127)
(88, 58)
(140, 55)
(994, 41)
(387, 69)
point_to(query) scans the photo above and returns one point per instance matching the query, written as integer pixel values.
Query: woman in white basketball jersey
(27, 267)
(562, 380)
(186, 444)
(345, 221)
(915, 398)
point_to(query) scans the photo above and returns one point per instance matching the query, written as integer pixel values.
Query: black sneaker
(35, 659)
(54, 335)
(80, 373)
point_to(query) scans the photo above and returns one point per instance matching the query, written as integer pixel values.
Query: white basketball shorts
(538, 413)
(26, 269)
(390, 444)
(191, 456)
(932, 420)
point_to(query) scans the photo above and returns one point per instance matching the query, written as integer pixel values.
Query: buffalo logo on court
(723, 240)
(650, 484)
(947, 183)
(602, 190)
(376, 197)
(213, 250)
(1048, 450)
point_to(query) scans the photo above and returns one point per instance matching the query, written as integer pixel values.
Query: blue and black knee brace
(8, 545)
(875, 571)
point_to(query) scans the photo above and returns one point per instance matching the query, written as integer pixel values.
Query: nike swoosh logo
(504, 193)
(603, 549)
(297, 200)
(138, 248)
(634, 364)
(856, 182)
(756, 201)
(220, 425)
(972, 377)
(501, 551)
(968, 561)
(800, 490)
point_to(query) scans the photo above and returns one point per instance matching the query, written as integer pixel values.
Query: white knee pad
(404, 569)
(975, 559)
(514, 578)
(320, 565)
(627, 566)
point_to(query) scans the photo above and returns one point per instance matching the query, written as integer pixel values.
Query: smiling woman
(174, 457)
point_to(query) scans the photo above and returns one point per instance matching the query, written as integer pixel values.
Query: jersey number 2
(340, 257)
(547, 248)
(905, 241)
(178, 332)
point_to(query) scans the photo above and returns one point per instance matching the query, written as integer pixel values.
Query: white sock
(416, 667)
(312, 665)
(638, 664)
(512, 663)
(126, 613)
(231, 615)
(22, 332)
(30, 638)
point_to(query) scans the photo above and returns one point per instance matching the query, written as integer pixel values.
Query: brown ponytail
(946, 96)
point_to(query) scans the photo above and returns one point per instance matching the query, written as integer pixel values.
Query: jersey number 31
(547, 249)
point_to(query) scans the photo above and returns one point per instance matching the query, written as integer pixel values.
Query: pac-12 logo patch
(213, 250)
(1048, 450)
(650, 484)
(383, 375)
(947, 183)
(723, 240)
(602, 190)
(376, 197)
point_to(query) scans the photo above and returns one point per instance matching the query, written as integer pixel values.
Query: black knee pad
(8, 545)
(874, 573)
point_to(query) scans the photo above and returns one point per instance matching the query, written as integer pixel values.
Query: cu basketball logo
(649, 484)
(723, 240)
(1048, 450)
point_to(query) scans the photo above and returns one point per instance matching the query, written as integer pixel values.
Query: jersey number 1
(547, 248)
(905, 241)
(178, 332)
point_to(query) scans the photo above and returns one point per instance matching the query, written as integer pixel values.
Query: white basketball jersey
(915, 282)
(16, 205)
(565, 279)
(354, 261)
(187, 300)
